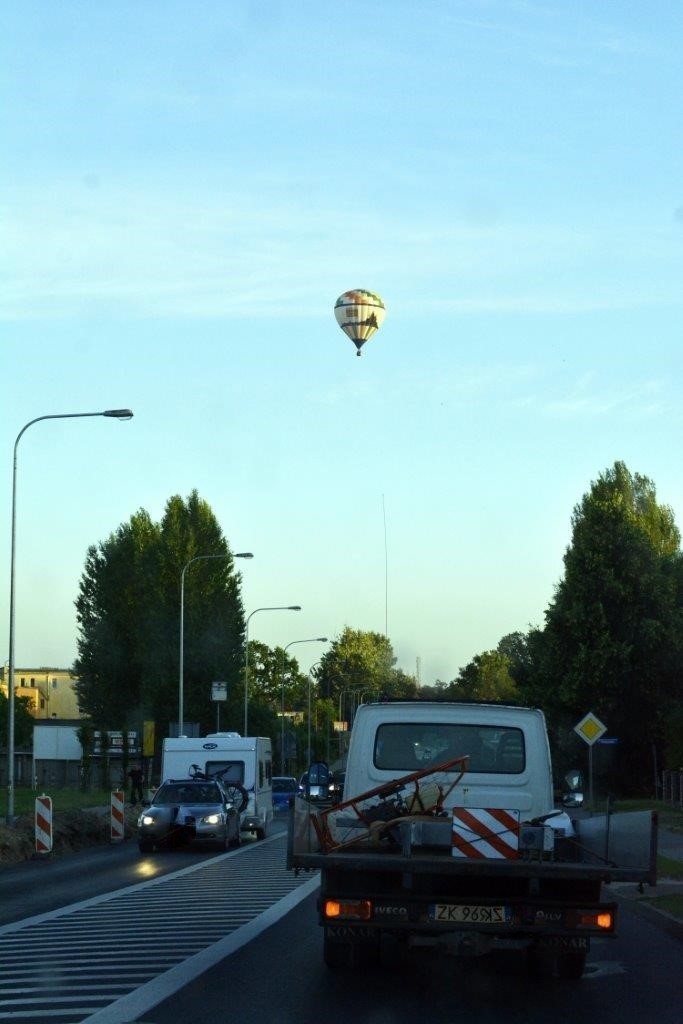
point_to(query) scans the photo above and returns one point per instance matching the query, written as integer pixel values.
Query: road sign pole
(590, 729)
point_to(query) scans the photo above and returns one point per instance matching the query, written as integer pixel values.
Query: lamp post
(353, 693)
(181, 658)
(310, 679)
(312, 640)
(343, 709)
(118, 414)
(276, 608)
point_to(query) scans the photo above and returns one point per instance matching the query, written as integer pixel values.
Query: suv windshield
(184, 793)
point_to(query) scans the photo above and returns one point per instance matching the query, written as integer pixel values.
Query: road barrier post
(117, 817)
(43, 824)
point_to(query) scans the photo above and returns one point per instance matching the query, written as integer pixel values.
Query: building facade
(51, 691)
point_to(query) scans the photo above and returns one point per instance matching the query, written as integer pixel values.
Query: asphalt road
(281, 978)
(43, 884)
(280, 975)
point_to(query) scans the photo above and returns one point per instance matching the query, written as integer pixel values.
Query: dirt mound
(71, 831)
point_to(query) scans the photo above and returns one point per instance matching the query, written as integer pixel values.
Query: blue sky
(186, 189)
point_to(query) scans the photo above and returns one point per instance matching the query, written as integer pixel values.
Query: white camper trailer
(245, 760)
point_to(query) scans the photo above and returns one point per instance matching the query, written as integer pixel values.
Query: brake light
(357, 910)
(599, 919)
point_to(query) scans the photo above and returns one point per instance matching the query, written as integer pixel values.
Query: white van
(245, 760)
(509, 758)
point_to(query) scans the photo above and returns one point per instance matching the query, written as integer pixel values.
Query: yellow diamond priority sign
(590, 728)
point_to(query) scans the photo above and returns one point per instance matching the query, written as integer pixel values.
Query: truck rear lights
(349, 910)
(602, 920)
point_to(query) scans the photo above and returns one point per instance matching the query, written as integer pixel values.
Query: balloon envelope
(359, 313)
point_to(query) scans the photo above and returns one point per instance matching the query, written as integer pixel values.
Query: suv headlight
(146, 819)
(213, 819)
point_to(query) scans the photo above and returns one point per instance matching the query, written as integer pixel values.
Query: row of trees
(129, 624)
(611, 642)
(129, 636)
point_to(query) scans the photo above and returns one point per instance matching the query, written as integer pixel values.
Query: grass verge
(668, 868)
(672, 904)
(670, 816)
(62, 800)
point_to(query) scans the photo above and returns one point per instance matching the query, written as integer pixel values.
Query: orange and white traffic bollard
(43, 824)
(117, 818)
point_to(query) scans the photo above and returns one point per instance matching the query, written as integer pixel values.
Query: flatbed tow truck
(466, 853)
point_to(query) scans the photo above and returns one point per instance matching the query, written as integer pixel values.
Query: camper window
(226, 771)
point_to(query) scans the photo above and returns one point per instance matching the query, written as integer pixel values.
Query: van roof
(416, 702)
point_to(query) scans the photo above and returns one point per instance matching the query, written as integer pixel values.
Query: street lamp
(118, 414)
(343, 708)
(277, 608)
(310, 679)
(197, 558)
(312, 640)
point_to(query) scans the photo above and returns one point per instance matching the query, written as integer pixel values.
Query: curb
(660, 918)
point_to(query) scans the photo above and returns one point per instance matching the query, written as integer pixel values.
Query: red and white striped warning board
(43, 824)
(117, 818)
(485, 832)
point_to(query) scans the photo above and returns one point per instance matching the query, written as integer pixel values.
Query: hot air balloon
(359, 313)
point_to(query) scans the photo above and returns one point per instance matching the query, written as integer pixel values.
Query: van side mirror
(573, 796)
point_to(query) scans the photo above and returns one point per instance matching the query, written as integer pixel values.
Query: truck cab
(507, 750)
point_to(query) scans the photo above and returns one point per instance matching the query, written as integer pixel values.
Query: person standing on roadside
(135, 776)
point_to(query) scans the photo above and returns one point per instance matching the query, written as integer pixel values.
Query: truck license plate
(464, 913)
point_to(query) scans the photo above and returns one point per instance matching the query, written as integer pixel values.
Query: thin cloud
(236, 254)
(591, 397)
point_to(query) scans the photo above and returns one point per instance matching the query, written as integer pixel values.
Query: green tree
(213, 616)
(486, 678)
(438, 691)
(270, 670)
(23, 721)
(612, 641)
(128, 611)
(86, 737)
(117, 591)
(357, 661)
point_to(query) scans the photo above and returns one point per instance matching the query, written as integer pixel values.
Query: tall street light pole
(310, 680)
(276, 608)
(181, 658)
(118, 414)
(312, 640)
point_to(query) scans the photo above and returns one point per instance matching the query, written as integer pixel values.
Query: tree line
(611, 641)
(612, 637)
